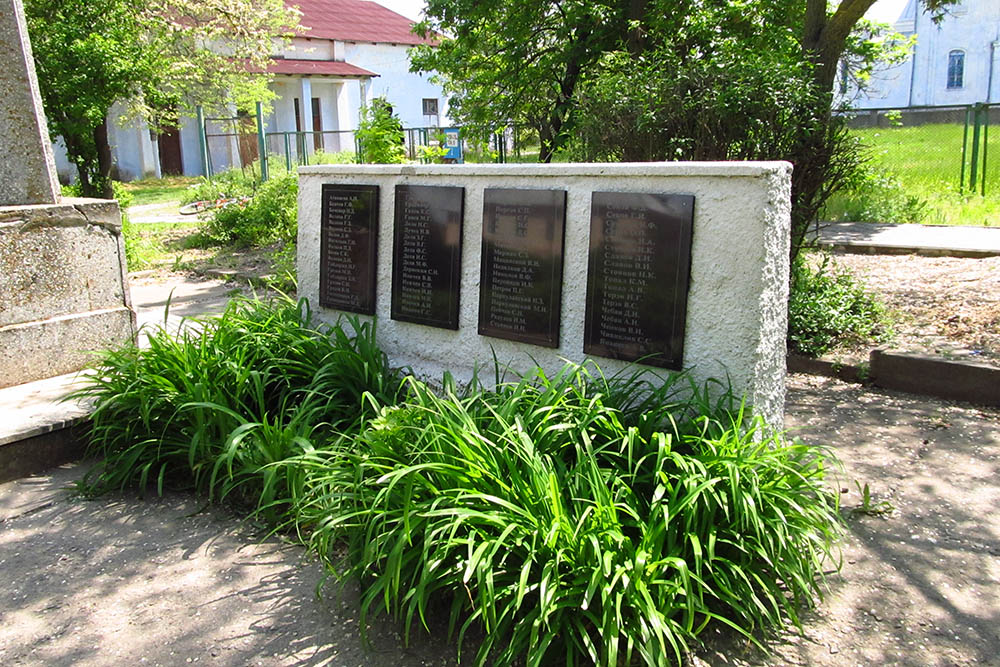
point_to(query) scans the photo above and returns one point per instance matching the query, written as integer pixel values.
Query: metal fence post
(974, 162)
(986, 143)
(262, 144)
(965, 143)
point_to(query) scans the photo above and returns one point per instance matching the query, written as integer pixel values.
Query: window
(430, 107)
(956, 69)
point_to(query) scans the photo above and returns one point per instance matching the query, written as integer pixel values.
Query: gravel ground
(129, 581)
(945, 306)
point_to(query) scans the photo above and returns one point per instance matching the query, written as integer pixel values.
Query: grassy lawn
(923, 163)
(159, 190)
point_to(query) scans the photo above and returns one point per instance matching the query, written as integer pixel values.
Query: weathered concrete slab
(27, 169)
(62, 344)
(60, 259)
(930, 240)
(65, 291)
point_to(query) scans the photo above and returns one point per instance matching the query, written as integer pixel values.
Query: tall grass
(565, 519)
(915, 177)
(573, 519)
(229, 394)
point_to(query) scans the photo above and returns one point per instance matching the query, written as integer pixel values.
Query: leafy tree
(659, 79)
(158, 57)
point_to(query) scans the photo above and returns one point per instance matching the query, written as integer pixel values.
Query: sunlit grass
(926, 160)
(159, 190)
(563, 519)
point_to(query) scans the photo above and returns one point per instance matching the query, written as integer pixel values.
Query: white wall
(736, 313)
(970, 27)
(404, 90)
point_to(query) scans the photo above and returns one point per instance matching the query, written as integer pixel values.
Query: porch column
(306, 108)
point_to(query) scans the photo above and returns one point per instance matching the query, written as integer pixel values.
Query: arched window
(956, 69)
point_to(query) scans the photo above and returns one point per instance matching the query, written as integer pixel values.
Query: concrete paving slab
(955, 241)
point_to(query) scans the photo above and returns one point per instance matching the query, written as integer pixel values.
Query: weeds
(572, 518)
(827, 306)
(869, 506)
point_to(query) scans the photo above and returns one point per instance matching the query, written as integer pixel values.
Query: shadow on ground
(166, 581)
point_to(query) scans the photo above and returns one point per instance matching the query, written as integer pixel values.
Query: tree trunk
(103, 181)
(547, 148)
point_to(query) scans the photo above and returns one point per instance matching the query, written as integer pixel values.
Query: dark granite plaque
(637, 282)
(427, 255)
(348, 235)
(520, 291)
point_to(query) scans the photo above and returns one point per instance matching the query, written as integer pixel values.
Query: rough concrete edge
(32, 455)
(70, 212)
(42, 429)
(735, 169)
(769, 362)
(878, 249)
(942, 378)
(966, 381)
(797, 363)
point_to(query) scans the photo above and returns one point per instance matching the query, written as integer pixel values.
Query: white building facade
(350, 52)
(955, 62)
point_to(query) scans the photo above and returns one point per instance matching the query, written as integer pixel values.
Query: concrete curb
(916, 374)
(44, 450)
(875, 249)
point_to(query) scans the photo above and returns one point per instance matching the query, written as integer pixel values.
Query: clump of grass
(572, 518)
(229, 394)
(827, 307)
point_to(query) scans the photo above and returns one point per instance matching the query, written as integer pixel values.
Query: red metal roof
(355, 21)
(318, 67)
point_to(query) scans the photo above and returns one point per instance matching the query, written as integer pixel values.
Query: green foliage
(875, 194)
(569, 518)
(271, 215)
(828, 307)
(730, 104)
(919, 167)
(233, 182)
(380, 134)
(322, 157)
(211, 407)
(434, 153)
(150, 55)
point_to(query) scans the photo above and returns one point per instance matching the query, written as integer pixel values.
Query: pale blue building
(953, 63)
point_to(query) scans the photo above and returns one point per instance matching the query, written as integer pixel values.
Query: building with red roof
(348, 52)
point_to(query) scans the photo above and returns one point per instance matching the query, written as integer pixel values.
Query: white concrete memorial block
(736, 316)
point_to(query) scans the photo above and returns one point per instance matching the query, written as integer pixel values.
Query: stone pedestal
(64, 292)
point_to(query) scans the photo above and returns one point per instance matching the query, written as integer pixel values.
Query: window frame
(955, 72)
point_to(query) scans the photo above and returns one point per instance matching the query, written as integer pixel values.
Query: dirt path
(129, 581)
(921, 585)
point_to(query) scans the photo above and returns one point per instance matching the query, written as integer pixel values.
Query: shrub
(271, 215)
(572, 518)
(828, 306)
(380, 134)
(230, 183)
